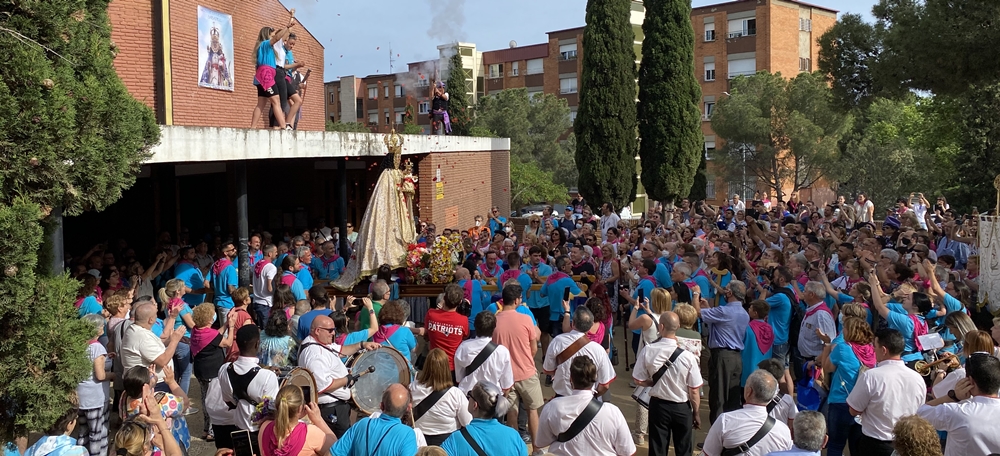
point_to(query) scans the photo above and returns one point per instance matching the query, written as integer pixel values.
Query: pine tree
(458, 99)
(606, 122)
(71, 137)
(699, 190)
(669, 118)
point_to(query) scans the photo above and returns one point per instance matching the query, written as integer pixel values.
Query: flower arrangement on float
(445, 255)
(418, 258)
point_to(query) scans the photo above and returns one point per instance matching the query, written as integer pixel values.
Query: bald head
(145, 314)
(669, 324)
(396, 400)
(462, 274)
(321, 321)
(322, 329)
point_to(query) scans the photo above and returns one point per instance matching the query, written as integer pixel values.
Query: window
(387, 118)
(424, 107)
(805, 25)
(742, 27)
(536, 66)
(567, 51)
(399, 118)
(373, 118)
(386, 91)
(709, 107)
(567, 85)
(710, 186)
(742, 67)
(333, 98)
(710, 71)
(372, 93)
(496, 70)
(710, 32)
(709, 150)
(399, 90)
(535, 92)
(805, 64)
(513, 68)
(572, 116)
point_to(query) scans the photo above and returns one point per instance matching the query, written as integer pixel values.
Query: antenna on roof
(513, 44)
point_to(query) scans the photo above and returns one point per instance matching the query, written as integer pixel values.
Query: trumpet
(924, 368)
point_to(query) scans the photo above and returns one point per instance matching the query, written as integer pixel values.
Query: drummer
(321, 356)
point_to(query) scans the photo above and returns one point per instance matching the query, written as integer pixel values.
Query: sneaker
(639, 439)
(209, 437)
(548, 380)
(526, 438)
(288, 127)
(191, 411)
(631, 384)
(538, 452)
(701, 446)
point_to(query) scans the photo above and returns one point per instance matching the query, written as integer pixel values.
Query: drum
(304, 379)
(390, 367)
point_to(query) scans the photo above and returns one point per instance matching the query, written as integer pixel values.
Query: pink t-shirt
(515, 331)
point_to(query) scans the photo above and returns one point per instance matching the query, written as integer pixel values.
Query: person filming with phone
(285, 433)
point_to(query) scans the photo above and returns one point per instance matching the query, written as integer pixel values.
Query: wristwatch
(952, 395)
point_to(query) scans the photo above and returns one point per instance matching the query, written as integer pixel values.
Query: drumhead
(301, 376)
(390, 367)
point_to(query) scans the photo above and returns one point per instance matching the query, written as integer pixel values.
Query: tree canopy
(669, 95)
(783, 131)
(71, 136)
(606, 121)
(458, 98)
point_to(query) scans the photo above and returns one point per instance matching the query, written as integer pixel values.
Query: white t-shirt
(140, 347)
(496, 369)
(607, 435)
(94, 394)
(608, 221)
(260, 293)
(447, 415)
(732, 429)
(674, 384)
(861, 211)
(264, 384)
(279, 53)
(970, 424)
(560, 379)
(325, 367)
(885, 394)
(218, 411)
(785, 410)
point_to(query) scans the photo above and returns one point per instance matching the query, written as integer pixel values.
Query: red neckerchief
(821, 307)
(650, 278)
(259, 267)
(327, 261)
(764, 335)
(497, 270)
(288, 278)
(555, 276)
(919, 329)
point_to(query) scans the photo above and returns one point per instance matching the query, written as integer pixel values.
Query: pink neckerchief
(384, 333)
(919, 329)
(259, 267)
(555, 276)
(511, 273)
(819, 307)
(486, 272)
(288, 278)
(292, 445)
(221, 265)
(467, 290)
(650, 278)
(328, 261)
(865, 354)
(764, 335)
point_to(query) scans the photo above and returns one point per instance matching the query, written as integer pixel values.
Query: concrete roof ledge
(212, 144)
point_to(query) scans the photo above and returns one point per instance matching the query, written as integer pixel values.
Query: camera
(766, 273)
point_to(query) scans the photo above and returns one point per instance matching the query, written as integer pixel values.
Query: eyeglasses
(329, 330)
(350, 226)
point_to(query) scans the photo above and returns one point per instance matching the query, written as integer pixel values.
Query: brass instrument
(924, 368)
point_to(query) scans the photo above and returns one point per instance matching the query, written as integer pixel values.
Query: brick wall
(472, 183)
(783, 39)
(133, 30)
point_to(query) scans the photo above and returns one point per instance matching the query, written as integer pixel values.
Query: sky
(360, 37)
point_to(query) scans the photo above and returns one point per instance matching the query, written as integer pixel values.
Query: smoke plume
(447, 21)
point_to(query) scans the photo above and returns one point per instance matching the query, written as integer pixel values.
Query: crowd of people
(810, 326)
(280, 83)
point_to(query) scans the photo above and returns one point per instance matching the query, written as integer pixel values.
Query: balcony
(742, 73)
(742, 33)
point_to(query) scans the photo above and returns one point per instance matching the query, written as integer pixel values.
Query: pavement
(621, 396)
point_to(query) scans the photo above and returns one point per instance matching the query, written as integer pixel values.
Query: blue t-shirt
(751, 354)
(846, 374)
(779, 317)
(90, 306)
(305, 276)
(363, 438)
(479, 297)
(298, 291)
(354, 338)
(265, 56)
(401, 340)
(179, 321)
(534, 298)
(724, 280)
(662, 276)
(328, 271)
(157, 328)
(220, 286)
(194, 279)
(520, 309)
(554, 292)
(899, 320)
(306, 321)
(502, 440)
(701, 280)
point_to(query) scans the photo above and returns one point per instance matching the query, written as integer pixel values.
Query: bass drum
(390, 367)
(303, 378)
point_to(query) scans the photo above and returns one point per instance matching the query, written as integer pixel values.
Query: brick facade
(472, 183)
(135, 29)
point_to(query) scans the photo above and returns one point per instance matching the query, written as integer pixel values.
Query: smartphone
(307, 393)
(642, 295)
(566, 294)
(241, 443)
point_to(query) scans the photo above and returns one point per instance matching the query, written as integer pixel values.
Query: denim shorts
(780, 352)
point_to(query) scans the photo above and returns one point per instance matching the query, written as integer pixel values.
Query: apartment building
(742, 37)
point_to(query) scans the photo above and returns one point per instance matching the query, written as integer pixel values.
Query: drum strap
(427, 403)
(670, 362)
(240, 385)
(472, 442)
(480, 358)
(575, 347)
(582, 421)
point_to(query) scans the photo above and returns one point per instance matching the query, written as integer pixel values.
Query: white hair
(763, 387)
(816, 288)
(810, 431)
(890, 254)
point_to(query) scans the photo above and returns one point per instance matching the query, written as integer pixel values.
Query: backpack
(797, 314)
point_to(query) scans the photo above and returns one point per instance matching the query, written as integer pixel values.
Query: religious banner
(215, 49)
(989, 262)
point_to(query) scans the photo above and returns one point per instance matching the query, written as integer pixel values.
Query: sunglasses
(329, 330)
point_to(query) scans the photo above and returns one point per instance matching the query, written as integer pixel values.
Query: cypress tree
(606, 121)
(699, 191)
(458, 99)
(71, 137)
(669, 118)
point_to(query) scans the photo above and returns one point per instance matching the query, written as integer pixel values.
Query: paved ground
(620, 391)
